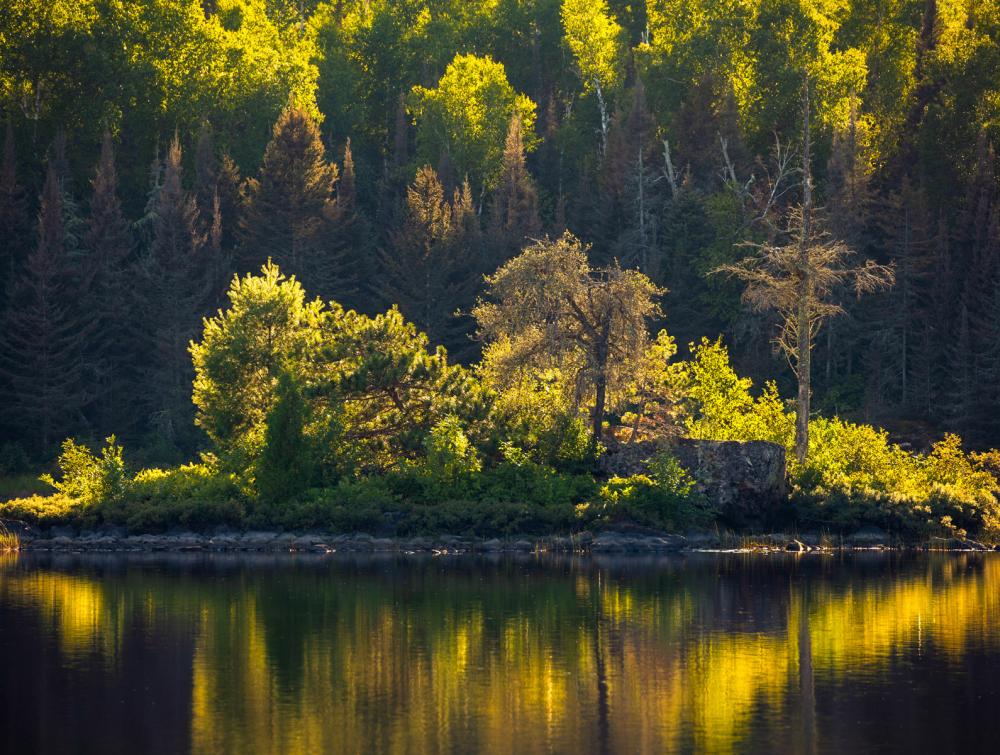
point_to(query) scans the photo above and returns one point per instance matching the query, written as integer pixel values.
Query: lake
(859, 652)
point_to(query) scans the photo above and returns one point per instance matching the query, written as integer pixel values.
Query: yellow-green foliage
(54, 509)
(848, 464)
(720, 406)
(88, 478)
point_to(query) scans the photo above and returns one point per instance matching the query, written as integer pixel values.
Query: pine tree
(176, 279)
(514, 215)
(41, 341)
(14, 224)
(111, 349)
(290, 204)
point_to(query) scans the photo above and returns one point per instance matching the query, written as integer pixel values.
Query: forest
(446, 250)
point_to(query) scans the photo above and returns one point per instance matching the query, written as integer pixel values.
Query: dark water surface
(706, 653)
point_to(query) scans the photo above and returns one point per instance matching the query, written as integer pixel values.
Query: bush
(91, 479)
(664, 498)
(286, 465)
(42, 511)
(854, 476)
(352, 505)
(193, 496)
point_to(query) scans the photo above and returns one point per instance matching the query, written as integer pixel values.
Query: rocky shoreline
(119, 541)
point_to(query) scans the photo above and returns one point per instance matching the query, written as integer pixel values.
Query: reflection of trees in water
(428, 655)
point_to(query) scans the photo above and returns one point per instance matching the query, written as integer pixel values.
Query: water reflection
(705, 653)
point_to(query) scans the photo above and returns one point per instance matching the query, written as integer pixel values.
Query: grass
(22, 486)
(8, 540)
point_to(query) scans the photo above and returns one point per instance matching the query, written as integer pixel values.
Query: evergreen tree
(907, 239)
(111, 349)
(175, 281)
(631, 196)
(430, 267)
(42, 339)
(348, 261)
(514, 218)
(290, 203)
(14, 224)
(345, 261)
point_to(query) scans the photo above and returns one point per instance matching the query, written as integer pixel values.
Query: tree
(465, 118)
(289, 204)
(14, 224)
(41, 356)
(370, 388)
(430, 268)
(547, 308)
(594, 38)
(111, 349)
(267, 330)
(798, 280)
(515, 203)
(392, 390)
(349, 266)
(175, 282)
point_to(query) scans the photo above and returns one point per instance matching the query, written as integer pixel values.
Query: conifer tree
(631, 197)
(908, 241)
(514, 218)
(348, 260)
(429, 267)
(14, 224)
(176, 280)
(41, 339)
(111, 349)
(289, 204)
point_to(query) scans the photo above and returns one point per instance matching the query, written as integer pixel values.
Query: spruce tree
(429, 268)
(514, 216)
(347, 262)
(908, 240)
(290, 203)
(14, 223)
(111, 349)
(41, 341)
(176, 275)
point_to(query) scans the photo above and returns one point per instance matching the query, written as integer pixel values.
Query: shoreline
(273, 542)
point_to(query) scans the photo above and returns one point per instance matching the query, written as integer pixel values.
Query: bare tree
(799, 280)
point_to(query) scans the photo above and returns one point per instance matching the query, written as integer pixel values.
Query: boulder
(746, 481)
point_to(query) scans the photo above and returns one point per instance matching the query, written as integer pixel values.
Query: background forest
(396, 152)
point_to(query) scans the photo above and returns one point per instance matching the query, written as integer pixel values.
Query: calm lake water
(707, 653)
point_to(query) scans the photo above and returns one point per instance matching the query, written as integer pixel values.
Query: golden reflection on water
(575, 661)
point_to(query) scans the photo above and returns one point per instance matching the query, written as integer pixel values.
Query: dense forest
(397, 153)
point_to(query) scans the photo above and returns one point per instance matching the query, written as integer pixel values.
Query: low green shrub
(43, 510)
(88, 478)
(664, 498)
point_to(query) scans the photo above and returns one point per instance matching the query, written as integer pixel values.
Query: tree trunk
(599, 400)
(605, 117)
(803, 329)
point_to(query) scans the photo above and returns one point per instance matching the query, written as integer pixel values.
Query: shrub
(286, 465)
(91, 479)
(450, 455)
(351, 505)
(42, 511)
(664, 498)
(719, 405)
